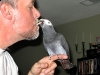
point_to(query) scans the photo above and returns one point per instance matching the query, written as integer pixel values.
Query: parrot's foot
(51, 56)
(58, 57)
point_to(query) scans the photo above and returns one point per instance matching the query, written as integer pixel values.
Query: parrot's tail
(66, 64)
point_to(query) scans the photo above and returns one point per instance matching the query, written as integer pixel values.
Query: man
(18, 21)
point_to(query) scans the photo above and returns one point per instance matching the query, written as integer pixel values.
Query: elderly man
(18, 21)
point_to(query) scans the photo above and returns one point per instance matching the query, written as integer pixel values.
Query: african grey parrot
(55, 43)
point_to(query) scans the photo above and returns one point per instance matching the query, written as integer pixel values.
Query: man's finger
(37, 67)
(51, 68)
(58, 56)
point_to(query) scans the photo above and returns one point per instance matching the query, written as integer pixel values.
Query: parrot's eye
(48, 22)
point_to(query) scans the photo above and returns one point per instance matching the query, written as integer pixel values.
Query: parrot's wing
(64, 44)
(49, 47)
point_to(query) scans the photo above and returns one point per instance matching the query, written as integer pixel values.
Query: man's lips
(37, 21)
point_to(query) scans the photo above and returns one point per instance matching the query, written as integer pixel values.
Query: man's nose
(36, 13)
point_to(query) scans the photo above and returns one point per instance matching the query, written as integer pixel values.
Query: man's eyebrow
(33, 1)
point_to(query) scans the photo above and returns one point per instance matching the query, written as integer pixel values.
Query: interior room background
(26, 53)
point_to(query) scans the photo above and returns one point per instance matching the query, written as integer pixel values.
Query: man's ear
(6, 11)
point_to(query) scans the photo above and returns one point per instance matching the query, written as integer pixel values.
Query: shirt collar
(1, 51)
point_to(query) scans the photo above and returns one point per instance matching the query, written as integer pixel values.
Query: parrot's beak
(41, 22)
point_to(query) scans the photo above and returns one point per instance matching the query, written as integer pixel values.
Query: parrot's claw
(49, 57)
(58, 57)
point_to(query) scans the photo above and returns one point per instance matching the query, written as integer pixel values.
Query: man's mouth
(37, 21)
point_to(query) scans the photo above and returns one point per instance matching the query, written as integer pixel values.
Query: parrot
(55, 43)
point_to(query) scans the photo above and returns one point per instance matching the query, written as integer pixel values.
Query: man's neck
(7, 38)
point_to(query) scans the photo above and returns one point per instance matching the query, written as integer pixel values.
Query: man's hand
(46, 66)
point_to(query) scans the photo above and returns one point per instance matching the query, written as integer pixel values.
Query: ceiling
(64, 11)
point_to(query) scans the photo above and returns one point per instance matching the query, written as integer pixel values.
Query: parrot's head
(47, 26)
(44, 23)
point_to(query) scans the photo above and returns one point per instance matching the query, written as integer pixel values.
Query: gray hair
(13, 3)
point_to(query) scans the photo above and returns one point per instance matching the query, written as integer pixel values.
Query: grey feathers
(55, 43)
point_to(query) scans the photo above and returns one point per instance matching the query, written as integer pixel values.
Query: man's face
(26, 19)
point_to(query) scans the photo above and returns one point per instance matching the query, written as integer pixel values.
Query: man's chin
(30, 36)
(36, 36)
